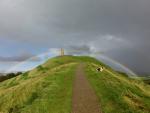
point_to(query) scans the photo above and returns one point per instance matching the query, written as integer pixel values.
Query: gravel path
(84, 98)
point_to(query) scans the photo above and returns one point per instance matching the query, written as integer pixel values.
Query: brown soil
(84, 98)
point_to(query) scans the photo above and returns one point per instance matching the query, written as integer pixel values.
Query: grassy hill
(48, 89)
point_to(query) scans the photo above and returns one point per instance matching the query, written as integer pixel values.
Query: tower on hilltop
(62, 53)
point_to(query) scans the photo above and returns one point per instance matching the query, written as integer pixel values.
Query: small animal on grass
(100, 69)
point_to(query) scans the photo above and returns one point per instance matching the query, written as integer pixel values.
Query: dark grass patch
(25, 75)
(42, 69)
(32, 98)
(15, 109)
(147, 81)
(136, 102)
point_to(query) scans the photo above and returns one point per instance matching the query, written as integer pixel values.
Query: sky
(119, 29)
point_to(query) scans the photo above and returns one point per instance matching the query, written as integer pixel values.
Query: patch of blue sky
(31, 62)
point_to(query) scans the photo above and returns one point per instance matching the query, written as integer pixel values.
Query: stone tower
(62, 52)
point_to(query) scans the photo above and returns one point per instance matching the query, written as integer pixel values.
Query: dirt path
(84, 98)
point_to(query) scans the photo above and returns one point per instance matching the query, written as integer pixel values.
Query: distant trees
(9, 75)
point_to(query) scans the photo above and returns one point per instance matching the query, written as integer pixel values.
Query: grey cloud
(78, 50)
(20, 58)
(130, 58)
(70, 20)
(61, 23)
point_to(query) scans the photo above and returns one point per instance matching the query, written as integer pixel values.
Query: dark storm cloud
(20, 58)
(113, 26)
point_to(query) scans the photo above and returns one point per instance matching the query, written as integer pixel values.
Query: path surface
(84, 98)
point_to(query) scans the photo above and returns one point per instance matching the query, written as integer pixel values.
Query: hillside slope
(118, 93)
(48, 89)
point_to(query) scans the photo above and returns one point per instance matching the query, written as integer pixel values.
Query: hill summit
(49, 88)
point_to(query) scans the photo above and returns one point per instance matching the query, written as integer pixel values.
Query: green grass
(48, 88)
(54, 94)
(46, 92)
(119, 94)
